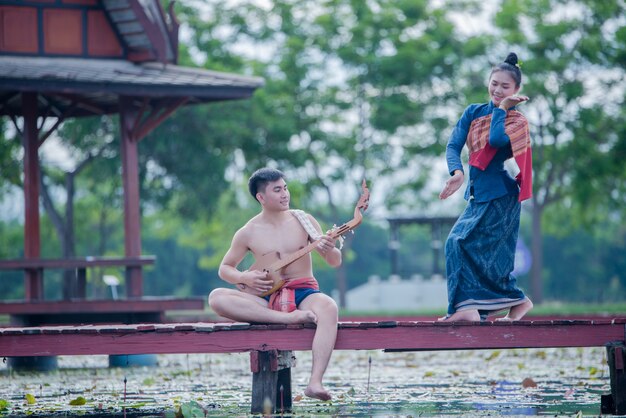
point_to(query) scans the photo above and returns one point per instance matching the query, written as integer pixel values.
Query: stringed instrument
(273, 264)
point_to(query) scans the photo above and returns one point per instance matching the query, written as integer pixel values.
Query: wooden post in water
(271, 381)
(615, 403)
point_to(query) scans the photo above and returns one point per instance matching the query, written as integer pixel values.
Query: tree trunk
(70, 281)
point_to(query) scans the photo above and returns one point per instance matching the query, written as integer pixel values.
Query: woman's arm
(497, 135)
(453, 155)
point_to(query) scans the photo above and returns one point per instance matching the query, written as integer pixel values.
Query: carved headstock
(361, 206)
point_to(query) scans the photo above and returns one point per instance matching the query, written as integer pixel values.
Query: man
(276, 230)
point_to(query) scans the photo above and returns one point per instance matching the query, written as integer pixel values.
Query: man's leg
(325, 309)
(244, 307)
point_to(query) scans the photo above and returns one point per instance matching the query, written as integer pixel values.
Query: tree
(393, 64)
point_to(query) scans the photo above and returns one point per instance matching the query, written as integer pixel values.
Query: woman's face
(501, 85)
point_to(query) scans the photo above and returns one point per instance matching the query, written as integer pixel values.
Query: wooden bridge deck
(268, 344)
(207, 337)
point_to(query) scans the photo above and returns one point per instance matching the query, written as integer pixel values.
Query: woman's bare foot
(517, 312)
(301, 317)
(317, 392)
(469, 315)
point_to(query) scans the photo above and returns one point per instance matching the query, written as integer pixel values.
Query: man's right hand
(257, 280)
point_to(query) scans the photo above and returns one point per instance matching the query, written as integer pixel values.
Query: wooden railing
(34, 272)
(75, 308)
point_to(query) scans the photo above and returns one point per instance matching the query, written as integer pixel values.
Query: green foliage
(353, 89)
(78, 401)
(191, 409)
(11, 246)
(10, 168)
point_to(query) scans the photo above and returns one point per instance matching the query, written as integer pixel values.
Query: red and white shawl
(481, 152)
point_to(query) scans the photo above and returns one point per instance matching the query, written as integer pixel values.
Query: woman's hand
(452, 185)
(510, 101)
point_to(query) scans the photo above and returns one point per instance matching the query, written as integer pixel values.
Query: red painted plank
(101, 306)
(75, 263)
(542, 322)
(184, 327)
(204, 328)
(83, 340)
(12, 331)
(146, 327)
(348, 325)
(277, 326)
(165, 328)
(602, 321)
(51, 330)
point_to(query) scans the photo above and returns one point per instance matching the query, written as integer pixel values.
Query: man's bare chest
(284, 239)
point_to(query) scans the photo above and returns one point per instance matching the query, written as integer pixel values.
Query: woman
(480, 250)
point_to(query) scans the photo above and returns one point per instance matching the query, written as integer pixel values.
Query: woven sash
(516, 128)
(284, 300)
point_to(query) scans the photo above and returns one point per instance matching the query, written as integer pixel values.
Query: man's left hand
(325, 245)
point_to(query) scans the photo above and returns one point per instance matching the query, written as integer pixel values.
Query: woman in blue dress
(480, 250)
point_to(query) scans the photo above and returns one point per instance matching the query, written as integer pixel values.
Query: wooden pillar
(33, 279)
(130, 174)
(615, 402)
(271, 381)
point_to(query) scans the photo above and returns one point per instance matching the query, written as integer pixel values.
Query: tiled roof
(101, 81)
(143, 28)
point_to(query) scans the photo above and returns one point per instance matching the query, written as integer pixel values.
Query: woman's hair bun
(511, 59)
(512, 66)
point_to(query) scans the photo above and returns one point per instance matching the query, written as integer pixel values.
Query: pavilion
(62, 59)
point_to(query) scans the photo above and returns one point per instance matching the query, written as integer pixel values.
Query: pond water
(523, 382)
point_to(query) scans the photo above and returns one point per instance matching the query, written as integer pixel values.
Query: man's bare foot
(517, 312)
(301, 317)
(317, 392)
(469, 315)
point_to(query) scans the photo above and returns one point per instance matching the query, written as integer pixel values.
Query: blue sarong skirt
(480, 256)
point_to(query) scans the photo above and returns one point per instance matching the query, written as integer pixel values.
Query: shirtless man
(276, 229)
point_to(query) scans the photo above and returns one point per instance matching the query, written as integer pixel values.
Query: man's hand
(326, 248)
(509, 102)
(325, 244)
(452, 185)
(257, 280)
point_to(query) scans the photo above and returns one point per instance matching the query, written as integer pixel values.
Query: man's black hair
(260, 178)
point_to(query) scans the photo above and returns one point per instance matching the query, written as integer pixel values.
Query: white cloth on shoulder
(306, 224)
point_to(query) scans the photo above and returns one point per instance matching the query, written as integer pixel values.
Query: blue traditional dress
(480, 250)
